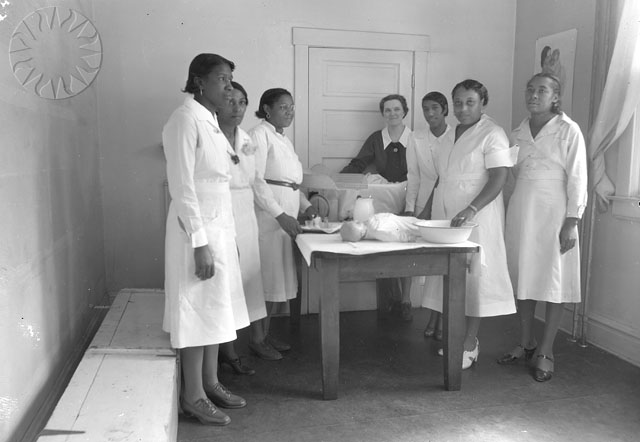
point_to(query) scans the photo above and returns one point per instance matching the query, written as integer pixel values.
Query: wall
(149, 44)
(51, 236)
(613, 302)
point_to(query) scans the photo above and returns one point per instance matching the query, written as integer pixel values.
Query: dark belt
(294, 186)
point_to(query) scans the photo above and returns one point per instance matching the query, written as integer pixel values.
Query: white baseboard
(604, 333)
(614, 338)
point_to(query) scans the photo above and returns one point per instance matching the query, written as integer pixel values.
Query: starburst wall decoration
(55, 53)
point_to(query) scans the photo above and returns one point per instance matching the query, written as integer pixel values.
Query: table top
(310, 243)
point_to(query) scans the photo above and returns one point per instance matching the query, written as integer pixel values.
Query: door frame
(305, 38)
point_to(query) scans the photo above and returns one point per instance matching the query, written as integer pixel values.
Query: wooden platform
(125, 387)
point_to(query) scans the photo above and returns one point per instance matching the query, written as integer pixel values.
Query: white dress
(242, 179)
(463, 172)
(276, 159)
(551, 185)
(197, 312)
(421, 173)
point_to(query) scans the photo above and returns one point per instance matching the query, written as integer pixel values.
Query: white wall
(148, 46)
(51, 254)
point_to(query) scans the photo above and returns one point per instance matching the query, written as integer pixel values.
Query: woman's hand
(463, 216)
(289, 224)
(310, 213)
(568, 235)
(205, 268)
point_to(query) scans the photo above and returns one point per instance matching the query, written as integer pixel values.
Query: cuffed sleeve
(498, 153)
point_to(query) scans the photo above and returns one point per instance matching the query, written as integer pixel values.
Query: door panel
(345, 88)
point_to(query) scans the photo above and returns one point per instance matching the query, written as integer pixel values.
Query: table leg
(453, 316)
(326, 279)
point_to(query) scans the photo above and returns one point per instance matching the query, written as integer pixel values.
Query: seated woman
(386, 148)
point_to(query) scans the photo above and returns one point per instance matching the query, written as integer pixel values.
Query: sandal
(540, 374)
(516, 354)
(429, 332)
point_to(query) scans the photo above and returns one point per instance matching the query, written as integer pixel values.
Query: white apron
(247, 240)
(276, 159)
(463, 174)
(197, 312)
(276, 248)
(536, 213)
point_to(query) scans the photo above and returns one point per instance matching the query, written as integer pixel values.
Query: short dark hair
(473, 85)
(556, 108)
(438, 98)
(201, 66)
(239, 87)
(400, 98)
(269, 97)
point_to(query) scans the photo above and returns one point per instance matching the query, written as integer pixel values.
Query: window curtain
(620, 98)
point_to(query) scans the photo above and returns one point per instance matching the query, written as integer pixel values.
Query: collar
(404, 138)
(525, 129)
(271, 128)
(447, 130)
(201, 112)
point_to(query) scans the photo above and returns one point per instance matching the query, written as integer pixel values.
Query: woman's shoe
(516, 354)
(236, 365)
(438, 335)
(277, 343)
(405, 312)
(541, 374)
(429, 332)
(205, 412)
(469, 357)
(265, 351)
(222, 397)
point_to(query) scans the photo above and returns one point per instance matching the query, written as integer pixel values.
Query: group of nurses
(230, 224)
(471, 164)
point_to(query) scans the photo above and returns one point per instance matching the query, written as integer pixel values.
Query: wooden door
(345, 88)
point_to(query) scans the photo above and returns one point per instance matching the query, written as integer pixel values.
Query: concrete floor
(391, 389)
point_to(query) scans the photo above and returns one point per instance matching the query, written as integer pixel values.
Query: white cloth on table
(242, 179)
(319, 242)
(421, 173)
(551, 186)
(276, 159)
(463, 172)
(197, 312)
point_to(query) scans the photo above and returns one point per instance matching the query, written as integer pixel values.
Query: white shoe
(469, 357)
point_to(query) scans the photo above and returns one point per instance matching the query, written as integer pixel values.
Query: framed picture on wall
(556, 54)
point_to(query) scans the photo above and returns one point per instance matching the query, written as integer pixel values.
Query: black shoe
(277, 343)
(222, 397)
(236, 365)
(205, 412)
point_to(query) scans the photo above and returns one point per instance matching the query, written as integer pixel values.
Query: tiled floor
(391, 389)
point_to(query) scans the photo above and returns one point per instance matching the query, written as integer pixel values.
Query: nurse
(386, 152)
(422, 177)
(278, 203)
(204, 303)
(551, 185)
(241, 157)
(471, 176)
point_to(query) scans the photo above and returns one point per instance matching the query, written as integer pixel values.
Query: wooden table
(327, 261)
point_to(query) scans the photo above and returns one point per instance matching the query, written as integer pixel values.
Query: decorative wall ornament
(556, 55)
(55, 52)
